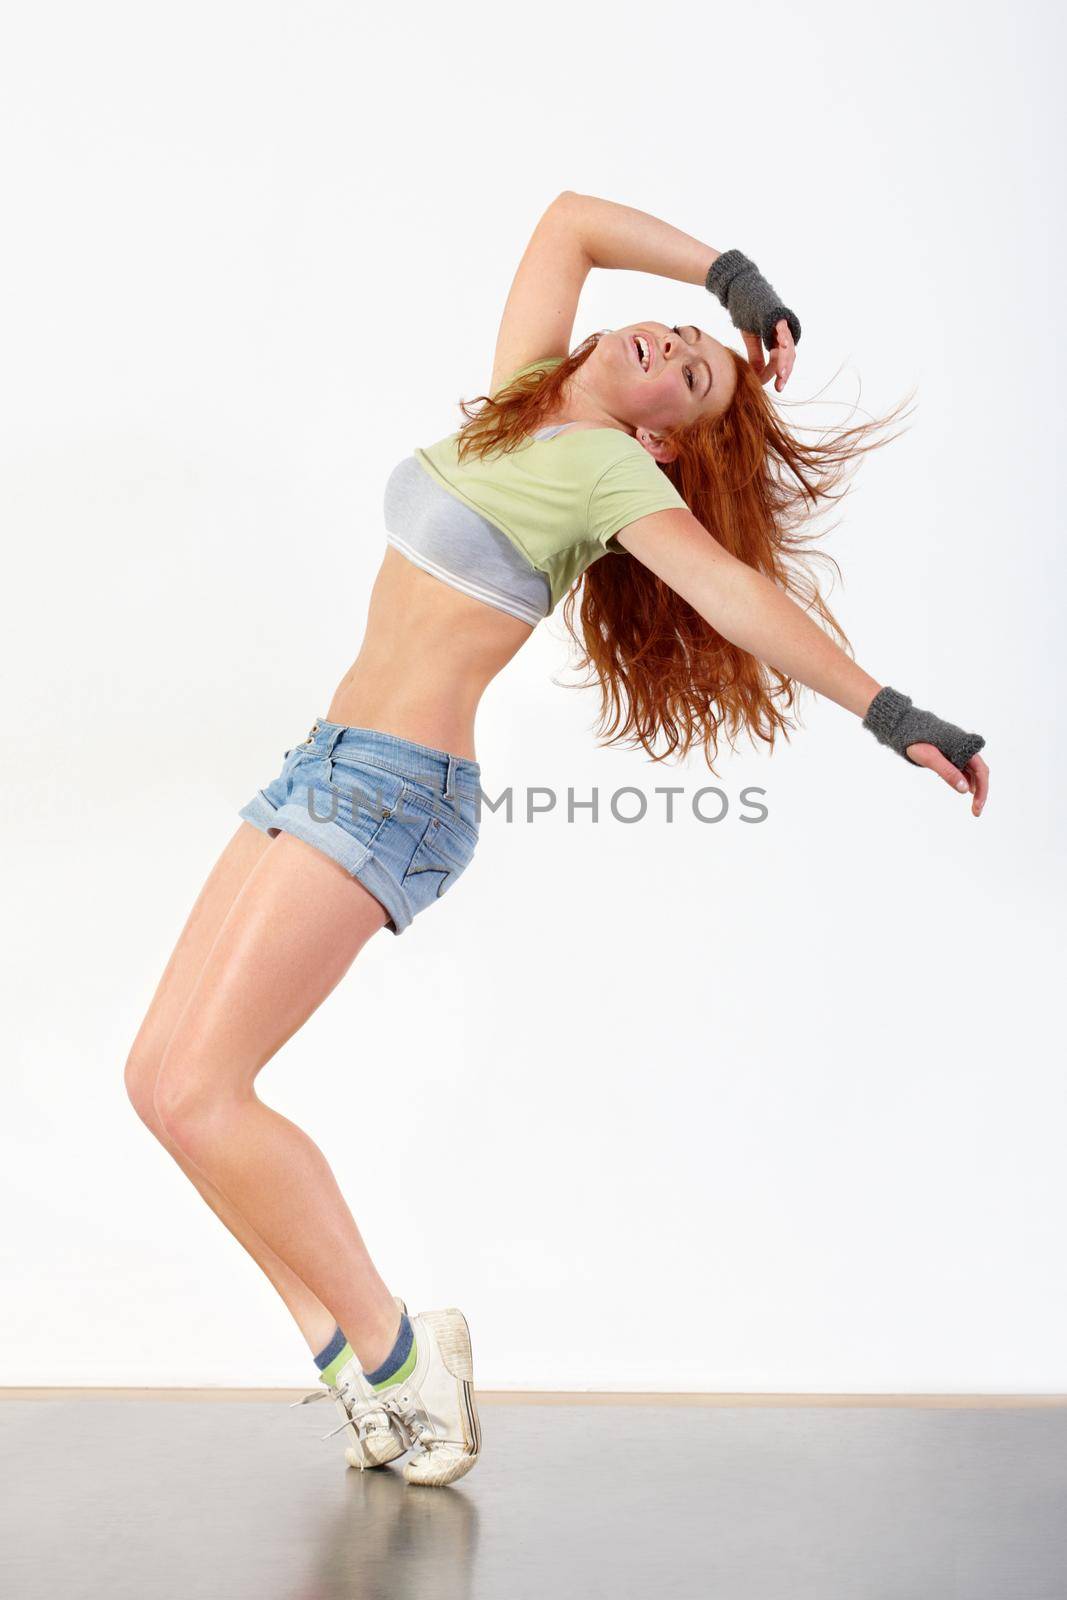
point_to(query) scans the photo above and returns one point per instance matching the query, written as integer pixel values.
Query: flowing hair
(665, 675)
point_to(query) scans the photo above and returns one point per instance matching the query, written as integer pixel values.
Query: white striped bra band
(449, 539)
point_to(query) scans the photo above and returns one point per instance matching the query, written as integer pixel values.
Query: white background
(729, 1107)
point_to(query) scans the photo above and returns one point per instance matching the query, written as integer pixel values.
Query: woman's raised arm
(628, 240)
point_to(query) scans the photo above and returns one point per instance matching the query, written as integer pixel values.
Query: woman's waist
(406, 709)
(402, 686)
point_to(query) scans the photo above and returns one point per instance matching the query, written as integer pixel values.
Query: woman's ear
(657, 448)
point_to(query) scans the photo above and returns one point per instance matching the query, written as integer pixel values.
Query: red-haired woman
(653, 443)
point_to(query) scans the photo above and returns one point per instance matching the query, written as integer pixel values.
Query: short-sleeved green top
(560, 501)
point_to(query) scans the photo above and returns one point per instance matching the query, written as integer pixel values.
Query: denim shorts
(401, 817)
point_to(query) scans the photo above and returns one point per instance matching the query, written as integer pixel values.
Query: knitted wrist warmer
(894, 721)
(753, 305)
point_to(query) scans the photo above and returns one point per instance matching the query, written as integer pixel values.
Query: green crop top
(560, 501)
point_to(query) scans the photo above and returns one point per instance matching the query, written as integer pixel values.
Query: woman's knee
(142, 1071)
(191, 1101)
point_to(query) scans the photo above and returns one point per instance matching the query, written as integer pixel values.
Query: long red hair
(665, 675)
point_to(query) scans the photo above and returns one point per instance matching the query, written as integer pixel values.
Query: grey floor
(218, 1501)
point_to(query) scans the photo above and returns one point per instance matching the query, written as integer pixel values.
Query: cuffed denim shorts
(403, 818)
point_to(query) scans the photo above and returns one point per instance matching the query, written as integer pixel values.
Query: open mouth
(644, 351)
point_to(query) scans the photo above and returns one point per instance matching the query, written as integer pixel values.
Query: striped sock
(336, 1354)
(400, 1362)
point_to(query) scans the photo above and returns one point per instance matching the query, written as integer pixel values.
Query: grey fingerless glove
(894, 721)
(753, 305)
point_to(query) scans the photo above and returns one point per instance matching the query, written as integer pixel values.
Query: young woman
(655, 444)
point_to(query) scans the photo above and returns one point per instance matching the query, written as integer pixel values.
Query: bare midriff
(427, 656)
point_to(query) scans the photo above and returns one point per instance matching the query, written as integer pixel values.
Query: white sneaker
(434, 1407)
(373, 1437)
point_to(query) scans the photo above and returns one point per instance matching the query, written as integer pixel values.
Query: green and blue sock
(335, 1355)
(400, 1362)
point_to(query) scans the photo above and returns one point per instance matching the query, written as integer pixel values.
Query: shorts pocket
(441, 856)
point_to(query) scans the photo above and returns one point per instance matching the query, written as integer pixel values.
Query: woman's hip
(401, 816)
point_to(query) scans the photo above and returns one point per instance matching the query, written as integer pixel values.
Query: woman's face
(655, 377)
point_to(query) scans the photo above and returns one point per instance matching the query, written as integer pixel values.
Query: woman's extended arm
(754, 613)
(746, 607)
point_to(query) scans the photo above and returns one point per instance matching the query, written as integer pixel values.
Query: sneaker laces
(316, 1394)
(359, 1410)
(403, 1409)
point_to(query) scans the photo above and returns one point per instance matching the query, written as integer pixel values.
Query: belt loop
(450, 780)
(328, 752)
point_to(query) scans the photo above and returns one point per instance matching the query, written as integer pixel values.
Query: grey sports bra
(450, 540)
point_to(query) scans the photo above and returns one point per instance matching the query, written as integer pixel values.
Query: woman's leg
(289, 937)
(223, 885)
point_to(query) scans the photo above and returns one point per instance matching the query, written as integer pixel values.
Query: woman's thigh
(290, 935)
(220, 890)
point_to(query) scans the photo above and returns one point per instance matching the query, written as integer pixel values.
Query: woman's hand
(779, 363)
(974, 779)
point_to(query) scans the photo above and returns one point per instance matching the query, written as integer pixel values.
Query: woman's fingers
(928, 755)
(973, 780)
(764, 366)
(779, 363)
(978, 773)
(754, 350)
(784, 354)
